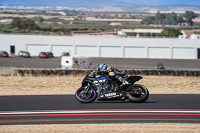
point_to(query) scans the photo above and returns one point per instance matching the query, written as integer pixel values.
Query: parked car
(20, 53)
(26, 55)
(43, 55)
(50, 54)
(65, 54)
(4, 54)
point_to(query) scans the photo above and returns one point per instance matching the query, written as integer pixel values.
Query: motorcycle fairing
(110, 95)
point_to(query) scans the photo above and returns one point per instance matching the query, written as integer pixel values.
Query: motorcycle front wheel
(85, 97)
(138, 93)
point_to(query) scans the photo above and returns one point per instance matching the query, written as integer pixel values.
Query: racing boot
(124, 85)
(123, 82)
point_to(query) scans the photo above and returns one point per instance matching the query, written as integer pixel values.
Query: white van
(68, 62)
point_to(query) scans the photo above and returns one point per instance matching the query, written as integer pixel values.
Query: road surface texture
(62, 109)
(120, 63)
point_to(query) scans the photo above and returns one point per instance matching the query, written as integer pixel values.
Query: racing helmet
(102, 67)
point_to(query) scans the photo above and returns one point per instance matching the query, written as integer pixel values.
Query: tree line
(170, 18)
(24, 25)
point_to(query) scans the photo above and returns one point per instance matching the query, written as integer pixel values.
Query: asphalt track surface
(65, 109)
(120, 63)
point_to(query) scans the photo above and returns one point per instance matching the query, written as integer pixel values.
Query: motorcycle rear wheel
(138, 93)
(84, 97)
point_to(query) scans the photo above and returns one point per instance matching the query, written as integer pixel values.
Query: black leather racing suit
(115, 74)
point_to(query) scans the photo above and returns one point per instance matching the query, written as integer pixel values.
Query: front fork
(87, 89)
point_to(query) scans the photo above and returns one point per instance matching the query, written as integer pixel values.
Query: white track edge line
(84, 112)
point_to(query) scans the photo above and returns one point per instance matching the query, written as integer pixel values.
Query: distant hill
(96, 5)
(66, 3)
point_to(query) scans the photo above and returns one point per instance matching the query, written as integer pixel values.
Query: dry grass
(27, 85)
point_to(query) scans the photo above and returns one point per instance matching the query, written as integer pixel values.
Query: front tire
(84, 97)
(138, 93)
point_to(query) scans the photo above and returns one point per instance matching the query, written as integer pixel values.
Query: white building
(115, 24)
(188, 34)
(195, 36)
(139, 32)
(63, 13)
(103, 46)
(6, 21)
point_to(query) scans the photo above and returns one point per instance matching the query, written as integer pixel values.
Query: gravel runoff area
(103, 128)
(30, 85)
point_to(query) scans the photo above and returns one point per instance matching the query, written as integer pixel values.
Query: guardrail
(62, 72)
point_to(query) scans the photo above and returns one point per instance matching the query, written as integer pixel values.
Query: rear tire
(138, 93)
(83, 97)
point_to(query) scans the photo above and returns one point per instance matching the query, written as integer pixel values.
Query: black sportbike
(104, 88)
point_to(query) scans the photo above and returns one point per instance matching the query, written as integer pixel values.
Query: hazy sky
(162, 2)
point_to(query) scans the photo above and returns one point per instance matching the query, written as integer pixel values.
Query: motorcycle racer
(114, 74)
(109, 83)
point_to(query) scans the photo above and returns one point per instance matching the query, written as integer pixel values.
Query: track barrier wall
(61, 72)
